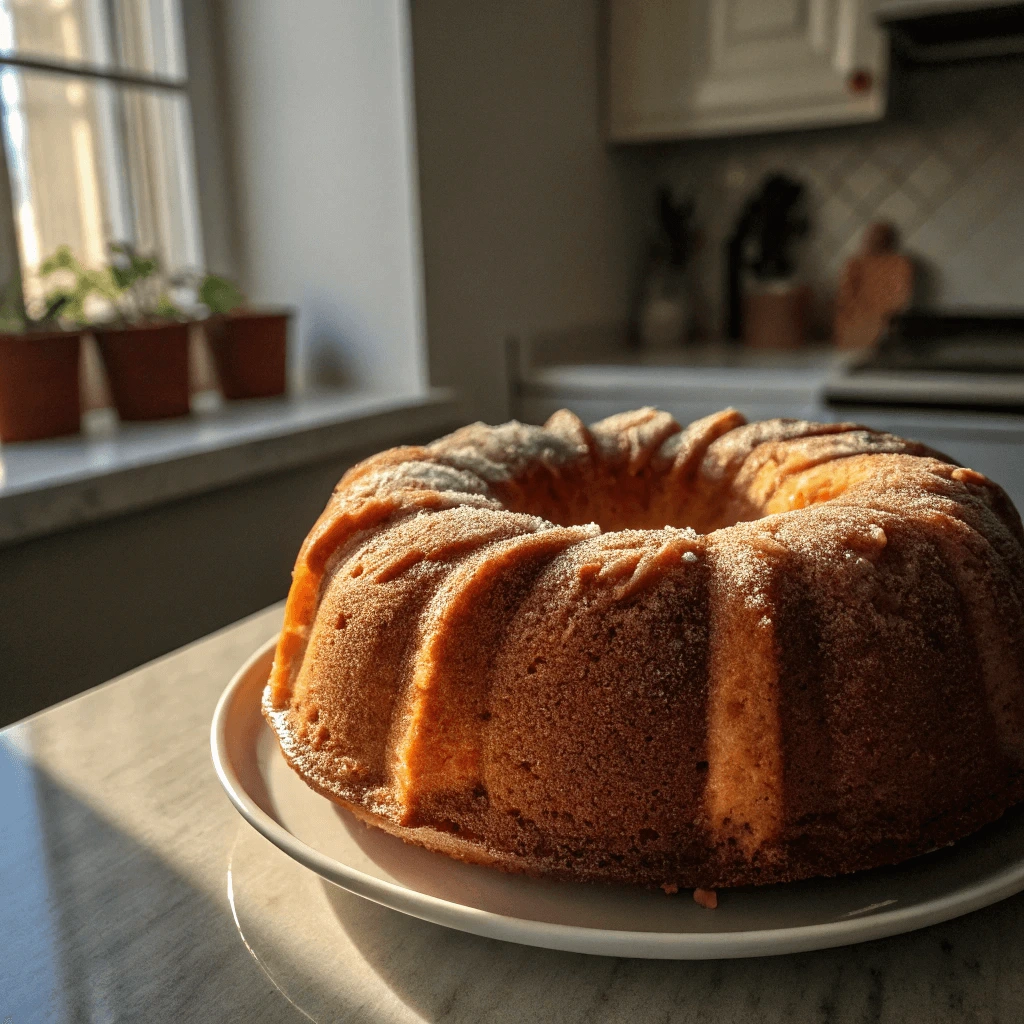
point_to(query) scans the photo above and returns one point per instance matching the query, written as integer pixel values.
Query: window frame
(117, 75)
(84, 69)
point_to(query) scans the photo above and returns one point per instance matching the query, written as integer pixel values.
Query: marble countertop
(129, 882)
(109, 469)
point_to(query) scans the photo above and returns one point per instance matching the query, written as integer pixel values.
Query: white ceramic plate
(586, 918)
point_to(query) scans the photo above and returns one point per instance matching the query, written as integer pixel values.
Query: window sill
(110, 469)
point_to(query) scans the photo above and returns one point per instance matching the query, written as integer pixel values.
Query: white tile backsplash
(866, 182)
(946, 166)
(931, 176)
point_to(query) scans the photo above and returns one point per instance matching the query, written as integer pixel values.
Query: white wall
(323, 156)
(530, 223)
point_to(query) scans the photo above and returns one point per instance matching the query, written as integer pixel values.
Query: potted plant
(39, 376)
(249, 345)
(145, 345)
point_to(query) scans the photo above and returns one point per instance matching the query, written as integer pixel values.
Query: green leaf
(61, 259)
(131, 284)
(131, 268)
(167, 310)
(68, 301)
(75, 310)
(143, 268)
(220, 295)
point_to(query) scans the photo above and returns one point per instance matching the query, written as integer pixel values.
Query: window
(97, 131)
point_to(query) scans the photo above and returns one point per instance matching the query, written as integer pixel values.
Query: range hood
(933, 31)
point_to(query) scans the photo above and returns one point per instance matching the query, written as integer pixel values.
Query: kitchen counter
(112, 468)
(126, 869)
(691, 383)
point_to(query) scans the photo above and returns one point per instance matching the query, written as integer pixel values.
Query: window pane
(92, 163)
(135, 35)
(69, 30)
(150, 36)
(161, 174)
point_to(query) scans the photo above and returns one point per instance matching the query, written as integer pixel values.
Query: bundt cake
(714, 656)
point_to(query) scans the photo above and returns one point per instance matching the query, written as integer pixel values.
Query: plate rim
(582, 938)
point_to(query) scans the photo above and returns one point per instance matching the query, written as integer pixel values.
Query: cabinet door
(684, 68)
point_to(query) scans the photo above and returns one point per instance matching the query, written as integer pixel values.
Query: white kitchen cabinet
(687, 68)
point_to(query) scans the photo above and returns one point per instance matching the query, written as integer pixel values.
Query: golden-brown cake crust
(720, 655)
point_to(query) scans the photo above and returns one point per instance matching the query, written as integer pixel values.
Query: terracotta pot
(147, 366)
(249, 348)
(775, 315)
(39, 389)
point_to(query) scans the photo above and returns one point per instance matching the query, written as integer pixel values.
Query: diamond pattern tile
(865, 181)
(901, 208)
(967, 140)
(836, 218)
(946, 167)
(932, 176)
(899, 153)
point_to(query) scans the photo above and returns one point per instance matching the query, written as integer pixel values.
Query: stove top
(963, 360)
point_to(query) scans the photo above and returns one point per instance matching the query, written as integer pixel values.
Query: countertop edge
(794, 378)
(53, 506)
(800, 390)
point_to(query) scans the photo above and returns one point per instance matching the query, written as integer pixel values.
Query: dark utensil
(762, 241)
(675, 220)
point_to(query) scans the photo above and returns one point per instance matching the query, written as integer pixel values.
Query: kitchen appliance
(933, 31)
(954, 360)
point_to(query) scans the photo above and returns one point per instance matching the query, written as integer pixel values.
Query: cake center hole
(619, 501)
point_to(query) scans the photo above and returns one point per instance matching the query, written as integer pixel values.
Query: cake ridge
(743, 794)
(446, 761)
(686, 449)
(976, 569)
(633, 438)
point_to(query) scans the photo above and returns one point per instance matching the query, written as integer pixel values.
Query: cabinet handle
(859, 82)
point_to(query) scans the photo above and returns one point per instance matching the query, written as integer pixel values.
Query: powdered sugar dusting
(497, 454)
(633, 438)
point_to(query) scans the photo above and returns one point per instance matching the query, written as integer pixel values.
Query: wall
(320, 118)
(946, 166)
(97, 601)
(530, 224)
